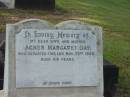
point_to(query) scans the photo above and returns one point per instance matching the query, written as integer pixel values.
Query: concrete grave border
(10, 74)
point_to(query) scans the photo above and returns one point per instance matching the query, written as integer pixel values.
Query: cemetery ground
(112, 15)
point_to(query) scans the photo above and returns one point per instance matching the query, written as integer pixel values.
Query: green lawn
(112, 15)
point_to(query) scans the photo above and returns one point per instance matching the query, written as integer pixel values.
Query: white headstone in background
(8, 3)
(43, 60)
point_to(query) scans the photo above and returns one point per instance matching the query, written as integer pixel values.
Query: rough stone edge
(9, 62)
(27, 22)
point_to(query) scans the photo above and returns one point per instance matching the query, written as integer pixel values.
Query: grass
(112, 15)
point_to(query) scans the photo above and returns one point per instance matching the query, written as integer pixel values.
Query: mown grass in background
(112, 15)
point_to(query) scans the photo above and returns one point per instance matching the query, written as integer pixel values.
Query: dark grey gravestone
(111, 73)
(35, 4)
(2, 53)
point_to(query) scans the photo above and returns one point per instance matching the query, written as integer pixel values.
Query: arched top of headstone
(43, 24)
(76, 25)
(32, 24)
(33, 21)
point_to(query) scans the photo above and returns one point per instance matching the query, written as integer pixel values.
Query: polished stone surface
(56, 58)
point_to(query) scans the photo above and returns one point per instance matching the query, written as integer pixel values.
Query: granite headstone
(43, 60)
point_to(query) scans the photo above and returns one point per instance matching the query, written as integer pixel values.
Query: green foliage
(112, 15)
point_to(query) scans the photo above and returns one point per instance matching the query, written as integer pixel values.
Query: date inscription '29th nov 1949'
(56, 58)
